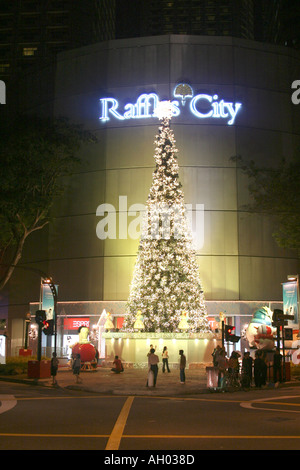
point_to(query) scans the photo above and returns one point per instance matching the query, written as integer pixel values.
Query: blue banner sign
(201, 106)
(290, 299)
(48, 301)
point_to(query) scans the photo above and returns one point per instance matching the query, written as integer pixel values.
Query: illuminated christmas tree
(166, 283)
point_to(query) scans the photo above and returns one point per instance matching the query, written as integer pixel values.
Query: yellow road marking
(117, 432)
(11, 434)
(67, 397)
(158, 436)
(268, 401)
(275, 403)
(148, 436)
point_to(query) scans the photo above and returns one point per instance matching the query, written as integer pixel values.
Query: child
(117, 365)
(76, 367)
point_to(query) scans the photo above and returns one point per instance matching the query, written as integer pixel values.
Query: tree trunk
(15, 259)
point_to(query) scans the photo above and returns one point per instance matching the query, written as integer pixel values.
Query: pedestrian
(277, 361)
(118, 367)
(97, 356)
(182, 365)
(258, 369)
(264, 368)
(215, 355)
(153, 361)
(54, 367)
(247, 369)
(151, 347)
(165, 358)
(222, 366)
(76, 367)
(233, 364)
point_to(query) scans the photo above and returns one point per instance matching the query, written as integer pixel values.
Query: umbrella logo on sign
(183, 91)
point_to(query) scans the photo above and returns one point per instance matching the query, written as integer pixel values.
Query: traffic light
(48, 327)
(228, 332)
(229, 335)
(40, 316)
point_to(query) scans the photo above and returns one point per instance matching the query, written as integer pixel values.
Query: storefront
(73, 315)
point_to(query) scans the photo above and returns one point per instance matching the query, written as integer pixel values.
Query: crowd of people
(252, 371)
(153, 361)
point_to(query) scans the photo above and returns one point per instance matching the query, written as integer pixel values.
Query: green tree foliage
(276, 191)
(35, 154)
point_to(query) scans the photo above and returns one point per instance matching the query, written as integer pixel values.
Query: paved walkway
(130, 382)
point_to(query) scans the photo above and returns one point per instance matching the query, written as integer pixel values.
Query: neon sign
(202, 106)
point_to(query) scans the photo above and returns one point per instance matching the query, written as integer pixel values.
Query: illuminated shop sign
(75, 323)
(201, 106)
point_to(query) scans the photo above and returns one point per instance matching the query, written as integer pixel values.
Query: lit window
(4, 68)
(29, 51)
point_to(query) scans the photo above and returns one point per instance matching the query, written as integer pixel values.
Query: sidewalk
(130, 382)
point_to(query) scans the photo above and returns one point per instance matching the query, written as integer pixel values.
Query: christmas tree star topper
(164, 110)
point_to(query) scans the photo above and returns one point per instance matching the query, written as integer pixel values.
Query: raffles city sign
(201, 106)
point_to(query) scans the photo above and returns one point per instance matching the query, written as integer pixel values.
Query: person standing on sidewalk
(247, 364)
(222, 366)
(153, 361)
(182, 365)
(258, 369)
(165, 358)
(54, 367)
(76, 367)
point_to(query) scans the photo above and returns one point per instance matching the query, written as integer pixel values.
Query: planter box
(39, 369)
(25, 352)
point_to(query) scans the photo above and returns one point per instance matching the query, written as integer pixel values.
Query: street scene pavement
(132, 381)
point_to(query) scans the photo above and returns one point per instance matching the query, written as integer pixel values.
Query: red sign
(120, 321)
(75, 322)
(213, 323)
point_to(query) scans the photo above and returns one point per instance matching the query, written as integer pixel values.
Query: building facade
(234, 99)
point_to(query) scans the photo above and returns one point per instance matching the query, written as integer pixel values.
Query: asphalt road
(40, 418)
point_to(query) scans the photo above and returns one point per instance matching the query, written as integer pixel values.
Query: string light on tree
(166, 279)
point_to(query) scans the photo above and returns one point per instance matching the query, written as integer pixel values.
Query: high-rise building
(199, 17)
(273, 21)
(32, 32)
(281, 22)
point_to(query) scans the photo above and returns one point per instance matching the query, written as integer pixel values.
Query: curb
(140, 392)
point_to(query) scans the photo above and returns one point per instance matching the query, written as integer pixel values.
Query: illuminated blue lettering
(113, 109)
(216, 108)
(174, 108)
(219, 109)
(202, 106)
(143, 105)
(131, 113)
(222, 105)
(195, 110)
(232, 111)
